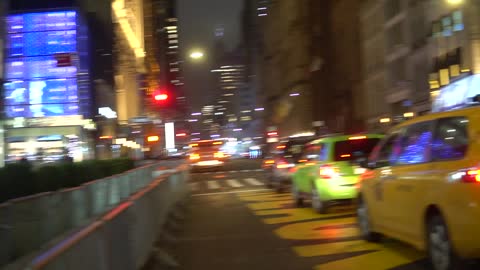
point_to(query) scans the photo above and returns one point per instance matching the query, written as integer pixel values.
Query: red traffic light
(161, 97)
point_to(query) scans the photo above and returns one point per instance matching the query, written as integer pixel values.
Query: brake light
(358, 138)
(269, 161)
(466, 176)
(284, 166)
(194, 156)
(219, 155)
(346, 156)
(281, 147)
(328, 172)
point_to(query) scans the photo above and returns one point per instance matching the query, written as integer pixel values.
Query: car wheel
(317, 203)
(440, 252)
(364, 224)
(297, 197)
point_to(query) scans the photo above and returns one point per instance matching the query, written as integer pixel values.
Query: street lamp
(196, 55)
(454, 2)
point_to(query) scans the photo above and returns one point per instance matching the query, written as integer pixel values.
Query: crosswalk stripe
(193, 186)
(234, 183)
(253, 181)
(213, 185)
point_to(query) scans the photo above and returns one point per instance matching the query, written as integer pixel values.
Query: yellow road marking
(266, 192)
(334, 248)
(319, 229)
(386, 258)
(292, 215)
(269, 205)
(265, 197)
(385, 255)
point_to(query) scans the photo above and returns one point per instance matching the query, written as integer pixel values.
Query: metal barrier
(29, 224)
(124, 238)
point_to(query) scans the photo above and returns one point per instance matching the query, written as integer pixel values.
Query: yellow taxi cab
(422, 186)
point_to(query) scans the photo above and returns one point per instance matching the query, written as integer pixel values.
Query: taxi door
(408, 185)
(377, 184)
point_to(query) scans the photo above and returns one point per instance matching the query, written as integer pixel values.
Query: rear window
(354, 149)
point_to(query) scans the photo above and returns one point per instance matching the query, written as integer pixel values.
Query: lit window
(173, 41)
(457, 20)
(447, 26)
(173, 36)
(173, 47)
(174, 70)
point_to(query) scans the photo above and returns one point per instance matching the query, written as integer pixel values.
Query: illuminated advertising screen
(35, 86)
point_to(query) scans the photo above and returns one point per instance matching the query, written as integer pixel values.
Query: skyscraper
(167, 34)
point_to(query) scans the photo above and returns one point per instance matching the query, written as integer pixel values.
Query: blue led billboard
(35, 86)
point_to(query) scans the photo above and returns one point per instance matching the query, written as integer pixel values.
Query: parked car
(423, 187)
(329, 169)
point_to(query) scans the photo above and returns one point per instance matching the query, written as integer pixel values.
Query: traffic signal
(161, 97)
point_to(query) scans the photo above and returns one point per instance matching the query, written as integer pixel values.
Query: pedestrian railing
(109, 223)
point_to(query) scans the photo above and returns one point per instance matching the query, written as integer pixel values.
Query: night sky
(197, 20)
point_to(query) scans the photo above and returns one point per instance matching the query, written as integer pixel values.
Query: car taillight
(328, 171)
(284, 166)
(194, 156)
(466, 176)
(269, 162)
(218, 155)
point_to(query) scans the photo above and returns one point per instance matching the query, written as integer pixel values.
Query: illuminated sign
(457, 94)
(169, 135)
(41, 81)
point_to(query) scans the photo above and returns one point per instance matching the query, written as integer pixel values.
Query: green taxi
(329, 169)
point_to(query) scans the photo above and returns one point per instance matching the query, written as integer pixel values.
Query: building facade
(411, 50)
(373, 48)
(47, 98)
(129, 58)
(312, 75)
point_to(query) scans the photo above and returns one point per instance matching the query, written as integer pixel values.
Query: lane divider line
(231, 192)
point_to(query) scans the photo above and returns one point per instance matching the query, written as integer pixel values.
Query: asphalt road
(236, 223)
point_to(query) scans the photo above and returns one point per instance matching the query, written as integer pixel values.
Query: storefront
(49, 139)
